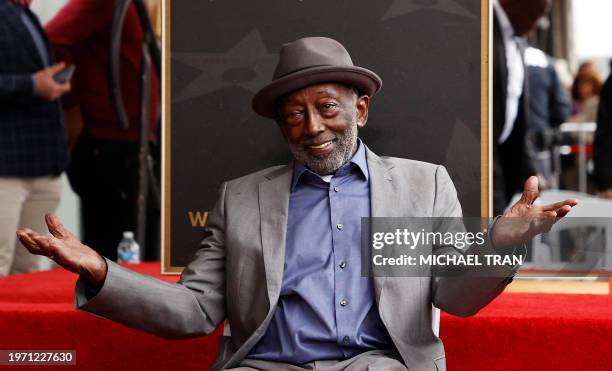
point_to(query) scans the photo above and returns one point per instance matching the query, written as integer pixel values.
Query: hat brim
(364, 80)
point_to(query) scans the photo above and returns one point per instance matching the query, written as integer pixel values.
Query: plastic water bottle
(128, 250)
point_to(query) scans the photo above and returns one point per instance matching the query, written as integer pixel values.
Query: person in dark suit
(602, 145)
(33, 151)
(549, 107)
(513, 19)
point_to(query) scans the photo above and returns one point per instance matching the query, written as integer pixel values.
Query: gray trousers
(374, 360)
(23, 203)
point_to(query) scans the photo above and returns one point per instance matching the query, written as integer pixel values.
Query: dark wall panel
(428, 53)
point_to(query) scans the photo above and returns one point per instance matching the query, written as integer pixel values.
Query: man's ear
(362, 105)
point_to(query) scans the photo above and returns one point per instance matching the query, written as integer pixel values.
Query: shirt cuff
(90, 291)
(505, 250)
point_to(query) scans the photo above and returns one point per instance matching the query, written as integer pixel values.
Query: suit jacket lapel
(382, 200)
(274, 209)
(524, 99)
(24, 35)
(500, 52)
(43, 34)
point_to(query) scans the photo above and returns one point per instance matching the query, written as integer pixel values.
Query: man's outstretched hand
(66, 250)
(524, 220)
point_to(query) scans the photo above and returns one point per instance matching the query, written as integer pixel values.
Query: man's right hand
(65, 249)
(46, 87)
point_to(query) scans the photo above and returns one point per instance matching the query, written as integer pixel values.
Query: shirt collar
(359, 159)
(504, 20)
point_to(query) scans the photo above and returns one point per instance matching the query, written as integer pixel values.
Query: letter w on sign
(198, 219)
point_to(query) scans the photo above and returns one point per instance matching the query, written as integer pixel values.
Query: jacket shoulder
(423, 175)
(253, 179)
(404, 164)
(431, 182)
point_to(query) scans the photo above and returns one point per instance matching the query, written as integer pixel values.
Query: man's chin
(322, 164)
(316, 165)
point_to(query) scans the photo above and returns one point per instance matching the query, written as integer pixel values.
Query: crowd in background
(576, 103)
(533, 111)
(52, 124)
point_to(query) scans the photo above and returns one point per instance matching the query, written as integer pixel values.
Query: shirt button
(342, 265)
(339, 226)
(346, 340)
(336, 189)
(343, 302)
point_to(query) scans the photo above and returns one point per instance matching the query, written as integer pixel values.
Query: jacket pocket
(440, 363)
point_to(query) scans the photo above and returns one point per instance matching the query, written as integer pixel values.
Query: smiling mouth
(321, 145)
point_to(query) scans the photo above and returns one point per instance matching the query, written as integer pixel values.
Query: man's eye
(328, 106)
(293, 117)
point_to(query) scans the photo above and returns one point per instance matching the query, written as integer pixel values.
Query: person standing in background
(512, 20)
(585, 100)
(585, 93)
(104, 166)
(549, 107)
(33, 150)
(602, 146)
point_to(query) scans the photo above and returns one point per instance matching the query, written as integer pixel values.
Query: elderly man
(282, 262)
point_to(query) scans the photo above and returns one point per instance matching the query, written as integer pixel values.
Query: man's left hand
(524, 220)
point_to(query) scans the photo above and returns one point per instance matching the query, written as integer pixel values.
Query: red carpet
(515, 332)
(533, 332)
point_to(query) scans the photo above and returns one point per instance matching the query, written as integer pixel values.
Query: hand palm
(65, 249)
(524, 220)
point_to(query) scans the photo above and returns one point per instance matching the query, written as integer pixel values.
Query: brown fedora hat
(309, 61)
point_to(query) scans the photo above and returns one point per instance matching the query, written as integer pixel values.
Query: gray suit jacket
(248, 226)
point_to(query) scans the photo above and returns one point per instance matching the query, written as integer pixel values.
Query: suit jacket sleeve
(559, 104)
(465, 294)
(192, 307)
(16, 84)
(14, 87)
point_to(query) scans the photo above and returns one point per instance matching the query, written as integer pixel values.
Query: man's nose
(315, 124)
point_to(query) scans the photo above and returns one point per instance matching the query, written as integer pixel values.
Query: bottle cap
(128, 234)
